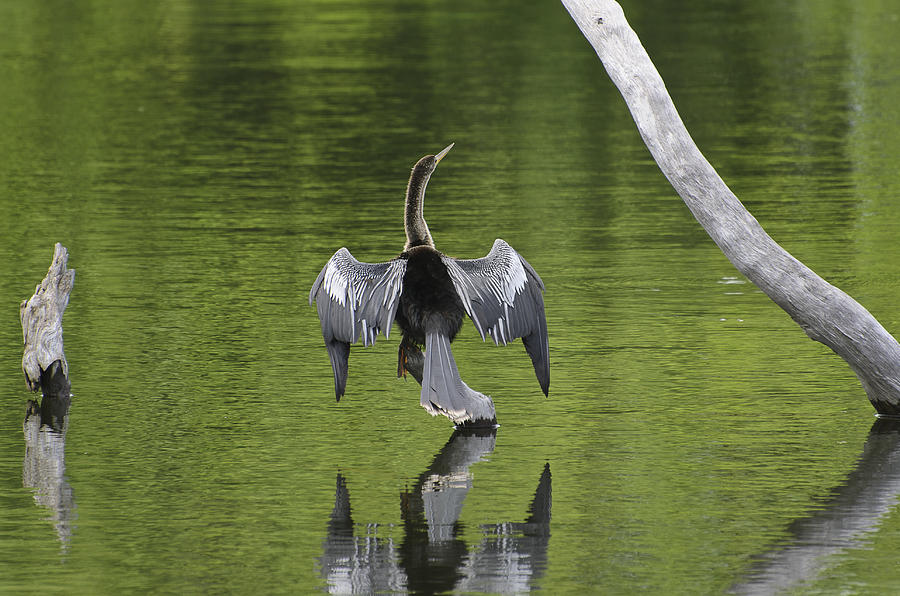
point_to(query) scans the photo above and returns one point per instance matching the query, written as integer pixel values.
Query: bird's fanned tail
(444, 392)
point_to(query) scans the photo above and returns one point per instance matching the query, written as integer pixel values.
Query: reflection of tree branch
(432, 557)
(45, 462)
(854, 511)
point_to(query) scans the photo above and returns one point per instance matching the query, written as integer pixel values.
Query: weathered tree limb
(825, 313)
(44, 361)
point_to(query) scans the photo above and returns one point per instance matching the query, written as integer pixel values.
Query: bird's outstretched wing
(504, 297)
(355, 301)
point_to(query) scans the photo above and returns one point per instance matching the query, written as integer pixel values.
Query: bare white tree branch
(825, 313)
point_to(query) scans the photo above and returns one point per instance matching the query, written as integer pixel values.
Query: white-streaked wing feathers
(355, 301)
(503, 296)
(362, 298)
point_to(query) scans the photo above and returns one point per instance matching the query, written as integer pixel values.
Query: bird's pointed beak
(440, 156)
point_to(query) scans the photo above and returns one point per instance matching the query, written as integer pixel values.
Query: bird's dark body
(429, 299)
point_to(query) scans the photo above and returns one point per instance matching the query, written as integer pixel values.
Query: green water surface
(202, 160)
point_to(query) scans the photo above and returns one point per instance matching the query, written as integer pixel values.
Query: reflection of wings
(355, 301)
(432, 557)
(511, 556)
(363, 564)
(502, 295)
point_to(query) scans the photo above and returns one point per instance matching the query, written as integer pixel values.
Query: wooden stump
(44, 361)
(45, 367)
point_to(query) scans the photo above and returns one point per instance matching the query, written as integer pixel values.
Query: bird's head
(426, 166)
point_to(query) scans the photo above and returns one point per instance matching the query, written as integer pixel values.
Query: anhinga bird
(427, 293)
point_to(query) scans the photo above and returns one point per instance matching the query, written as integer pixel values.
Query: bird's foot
(410, 359)
(401, 362)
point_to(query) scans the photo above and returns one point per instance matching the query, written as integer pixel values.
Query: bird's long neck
(417, 233)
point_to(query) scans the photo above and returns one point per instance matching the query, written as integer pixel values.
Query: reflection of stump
(44, 362)
(44, 468)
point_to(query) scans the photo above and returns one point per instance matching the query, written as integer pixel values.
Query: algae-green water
(202, 161)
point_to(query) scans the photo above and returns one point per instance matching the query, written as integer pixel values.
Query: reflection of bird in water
(436, 554)
(427, 293)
